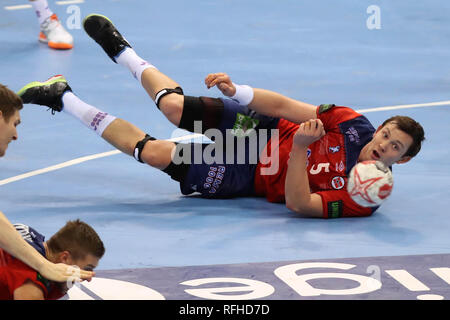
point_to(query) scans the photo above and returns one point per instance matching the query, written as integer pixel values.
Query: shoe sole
(60, 46)
(55, 45)
(52, 80)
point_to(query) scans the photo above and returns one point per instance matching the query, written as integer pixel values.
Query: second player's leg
(167, 94)
(52, 31)
(171, 105)
(158, 86)
(125, 137)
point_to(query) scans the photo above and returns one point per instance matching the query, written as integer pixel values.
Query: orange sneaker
(54, 34)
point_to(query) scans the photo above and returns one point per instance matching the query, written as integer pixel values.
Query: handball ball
(370, 183)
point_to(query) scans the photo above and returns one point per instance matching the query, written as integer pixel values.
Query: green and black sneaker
(48, 93)
(102, 30)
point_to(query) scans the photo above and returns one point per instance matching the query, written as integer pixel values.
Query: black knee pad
(140, 146)
(207, 110)
(164, 92)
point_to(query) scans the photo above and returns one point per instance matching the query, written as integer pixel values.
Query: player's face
(8, 130)
(389, 144)
(88, 263)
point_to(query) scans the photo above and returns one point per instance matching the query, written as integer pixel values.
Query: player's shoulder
(24, 230)
(15, 265)
(29, 291)
(33, 237)
(21, 272)
(342, 117)
(333, 109)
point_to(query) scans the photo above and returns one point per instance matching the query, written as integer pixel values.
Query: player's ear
(64, 257)
(404, 159)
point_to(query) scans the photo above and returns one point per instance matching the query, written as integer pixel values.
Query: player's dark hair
(9, 102)
(413, 129)
(79, 239)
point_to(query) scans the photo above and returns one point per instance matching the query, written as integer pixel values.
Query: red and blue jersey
(330, 160)
(14, 273)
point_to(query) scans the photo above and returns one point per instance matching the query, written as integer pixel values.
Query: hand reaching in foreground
(61, 272)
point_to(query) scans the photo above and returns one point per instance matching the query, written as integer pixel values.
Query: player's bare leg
(126, 137)
(158, 85)
(171, 105)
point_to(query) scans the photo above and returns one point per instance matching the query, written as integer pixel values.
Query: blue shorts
(227, 168)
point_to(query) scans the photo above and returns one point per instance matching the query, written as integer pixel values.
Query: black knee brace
(140, 146)
(164, 92)
(176, 171)
(207, 110)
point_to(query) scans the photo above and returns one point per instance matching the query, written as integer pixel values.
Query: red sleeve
(15, 273)
(332, 115)
(338, 203)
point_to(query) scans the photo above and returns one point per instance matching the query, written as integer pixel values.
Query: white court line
(28, 6)
(18, 7)
(61, 3)
(58, 166)
(406, 106)
(188, 137)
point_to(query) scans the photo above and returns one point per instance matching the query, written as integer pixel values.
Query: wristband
(243, 95)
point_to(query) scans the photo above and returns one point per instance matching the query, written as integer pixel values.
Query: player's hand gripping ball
(370, 183)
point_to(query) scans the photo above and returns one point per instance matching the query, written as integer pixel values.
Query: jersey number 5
(320, 167)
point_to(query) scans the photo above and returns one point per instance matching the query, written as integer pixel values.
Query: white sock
(128, 58)
(92, 117)
(42, 10)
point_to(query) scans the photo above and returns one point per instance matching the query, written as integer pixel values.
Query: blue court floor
(315, 51)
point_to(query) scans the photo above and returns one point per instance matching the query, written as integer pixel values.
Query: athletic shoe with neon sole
(102, 30)
(54, 35)
(48, 93)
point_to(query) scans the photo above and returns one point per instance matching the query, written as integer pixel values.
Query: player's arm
(28, 291)
(298, 195)
(13, 243)
(263, 101)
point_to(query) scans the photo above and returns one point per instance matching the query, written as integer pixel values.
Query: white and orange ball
(370, 183)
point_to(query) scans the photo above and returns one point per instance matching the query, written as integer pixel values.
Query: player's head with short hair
(10, 104)
(77, 243)
(397, 140)
(413, 128)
